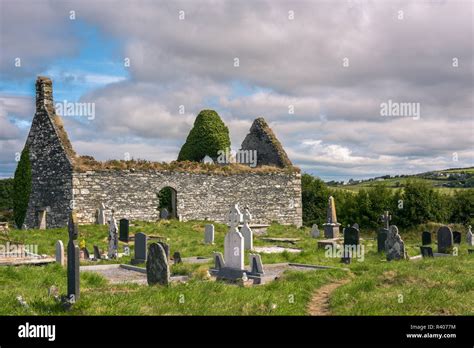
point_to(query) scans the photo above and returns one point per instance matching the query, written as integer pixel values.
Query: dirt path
(319, 304)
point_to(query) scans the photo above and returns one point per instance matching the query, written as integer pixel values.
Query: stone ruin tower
(51, 158)
(61, 181)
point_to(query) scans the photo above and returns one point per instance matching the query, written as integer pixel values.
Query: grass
(429, 287)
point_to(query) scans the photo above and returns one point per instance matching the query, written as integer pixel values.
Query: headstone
(394, 245)
(113, 238)
(164, 214)
(234, 241)
(470, 237)
(42, 219)
(60, 253)
(381, 238)
(386, 218)
(351, 236)
(426, 251)
(140, 247)
(457, 237)
(256, 266)
(209, 234)
(87, 255)
(445, 240)
(315, 231)
(218, 261)
(97, 255)
(331, 227)
(426, 238)
(73, 259)
(246, 231)
(356, 225)
(166, 248)
(101, 220)
(124, 229)
(157, 268)
(177, 257)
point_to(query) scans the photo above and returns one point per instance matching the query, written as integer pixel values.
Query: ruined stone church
(62, 180)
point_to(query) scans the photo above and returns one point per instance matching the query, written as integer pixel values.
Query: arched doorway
(167, 203)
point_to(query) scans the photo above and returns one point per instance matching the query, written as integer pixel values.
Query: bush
(315, 197)
(21, 188)
(208, 135)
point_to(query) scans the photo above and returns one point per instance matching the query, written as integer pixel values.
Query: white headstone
(60, 253)
(113, 238)
(209, 234)
(207, 160)
(315, 231)
(234, 241)
(101, 220)
(470, 237)
(246, 230)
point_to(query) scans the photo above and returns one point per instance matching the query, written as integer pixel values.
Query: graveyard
(368, 286)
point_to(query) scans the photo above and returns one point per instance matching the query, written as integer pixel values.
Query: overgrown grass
(436, 286)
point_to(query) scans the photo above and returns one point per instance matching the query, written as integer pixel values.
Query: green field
(437, 286)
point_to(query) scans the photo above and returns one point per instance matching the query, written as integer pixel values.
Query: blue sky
(336, 130)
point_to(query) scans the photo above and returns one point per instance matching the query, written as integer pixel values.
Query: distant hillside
(454, 178)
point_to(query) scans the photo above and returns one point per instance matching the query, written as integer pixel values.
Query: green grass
(429, 287)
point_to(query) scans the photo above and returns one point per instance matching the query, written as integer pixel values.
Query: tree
(462, 207)
(208, 136)
(315, 199)
(21, 188)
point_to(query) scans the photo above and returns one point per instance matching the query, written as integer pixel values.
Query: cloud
(336, 128)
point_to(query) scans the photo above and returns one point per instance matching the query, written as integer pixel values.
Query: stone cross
(234, 217)
(73, 259)
(60, 252)
(113, 238)
(386, 218)
(234, 241)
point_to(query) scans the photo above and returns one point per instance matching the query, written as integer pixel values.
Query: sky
(328, 77)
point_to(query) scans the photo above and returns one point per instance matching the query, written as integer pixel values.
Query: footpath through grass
(424, 287)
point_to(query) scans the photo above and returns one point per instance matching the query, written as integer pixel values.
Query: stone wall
(51, 168)
(270, 196)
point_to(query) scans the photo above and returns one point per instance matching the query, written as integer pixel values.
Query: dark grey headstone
(87, 256)
(426, 251)
(426, 238)
(140, 247)
(97, 255)
(456, 237)
(73, 259)
(351, 236)
(124, 230)
(157, 268)
(177, 257)
(445, 240)
(381, 238)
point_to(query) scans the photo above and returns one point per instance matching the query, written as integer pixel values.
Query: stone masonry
(58, 187)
